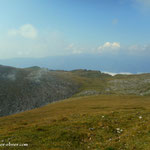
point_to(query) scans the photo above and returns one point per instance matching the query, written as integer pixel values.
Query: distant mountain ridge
(115, 63)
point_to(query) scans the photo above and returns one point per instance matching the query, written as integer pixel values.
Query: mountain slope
(25, 89)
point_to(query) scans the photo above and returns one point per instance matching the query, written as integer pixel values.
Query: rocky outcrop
(130, 84)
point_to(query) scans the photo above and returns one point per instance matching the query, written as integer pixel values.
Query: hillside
(95, 82)
(25, 89)
(29, 88)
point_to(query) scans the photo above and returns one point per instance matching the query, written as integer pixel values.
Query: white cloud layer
(139, 49)
(24, 42)
(73, 49)
(109, 47)
(113, 74)
(27, 41)
(26, 31)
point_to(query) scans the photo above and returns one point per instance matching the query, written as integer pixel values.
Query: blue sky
(41, 28)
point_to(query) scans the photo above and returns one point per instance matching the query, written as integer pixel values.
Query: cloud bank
(109, 47)
(28, 41)
(26, 31)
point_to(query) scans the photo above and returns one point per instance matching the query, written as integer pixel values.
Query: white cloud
(113, 74)
(73, 49)
(134, 48)
(107, 47)
(47, 43)
(76, 52)
(139, 48)
(26, 31)
(70, 46)
(110, 73)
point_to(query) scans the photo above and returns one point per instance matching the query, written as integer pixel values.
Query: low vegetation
(101, 122)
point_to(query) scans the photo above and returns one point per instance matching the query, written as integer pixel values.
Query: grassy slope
(82, 123)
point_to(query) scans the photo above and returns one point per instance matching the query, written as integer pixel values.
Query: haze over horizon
(108, 35)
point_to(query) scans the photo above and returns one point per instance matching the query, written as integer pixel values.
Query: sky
(41, 28)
